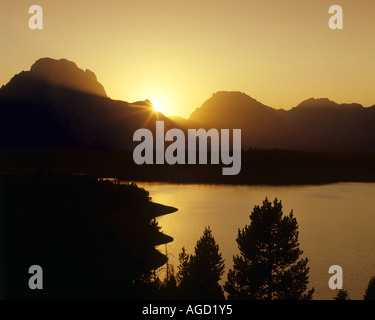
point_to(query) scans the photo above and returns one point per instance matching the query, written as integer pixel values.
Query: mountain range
(57, 105)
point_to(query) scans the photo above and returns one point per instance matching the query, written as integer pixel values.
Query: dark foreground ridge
(93, 239)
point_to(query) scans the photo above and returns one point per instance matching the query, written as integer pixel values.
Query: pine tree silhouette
(269, 266)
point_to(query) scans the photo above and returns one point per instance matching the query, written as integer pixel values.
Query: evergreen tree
(269, 266)
(200, 273)
(183, 268)
(342, 295)
(370, 291)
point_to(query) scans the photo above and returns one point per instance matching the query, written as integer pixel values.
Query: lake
(336, 224)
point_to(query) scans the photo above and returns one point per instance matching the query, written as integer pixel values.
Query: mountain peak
(233, 96)
(66, 73)
(224, 107)
(317, 103)
(227, 100)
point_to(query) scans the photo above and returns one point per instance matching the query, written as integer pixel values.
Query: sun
(160, 105)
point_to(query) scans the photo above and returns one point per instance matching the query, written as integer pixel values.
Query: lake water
(336, 224)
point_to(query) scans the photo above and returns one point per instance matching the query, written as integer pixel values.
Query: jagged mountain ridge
(38, 111)
(57, 105)
(315, 124)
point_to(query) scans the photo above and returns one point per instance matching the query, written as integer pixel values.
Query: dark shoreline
(259, 167)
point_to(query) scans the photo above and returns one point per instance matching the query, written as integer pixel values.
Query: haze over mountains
(57, 105)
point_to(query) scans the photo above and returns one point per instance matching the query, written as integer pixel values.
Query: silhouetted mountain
(318, 103)
(65, 73)
(315, 124)
(56, 105)
(236, 110)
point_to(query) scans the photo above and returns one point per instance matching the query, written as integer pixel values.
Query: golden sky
(177, 53)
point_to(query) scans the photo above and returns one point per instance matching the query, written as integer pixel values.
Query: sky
(178, 53)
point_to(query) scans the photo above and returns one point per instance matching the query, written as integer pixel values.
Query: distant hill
(236, 110)
(315, 124)
(57, 105)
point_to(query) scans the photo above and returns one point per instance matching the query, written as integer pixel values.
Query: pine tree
(370, 291)
(200, 273)
(342, 295)
(183, 274)
(269, 266)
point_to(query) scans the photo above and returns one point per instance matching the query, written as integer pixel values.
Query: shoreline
(259, 167)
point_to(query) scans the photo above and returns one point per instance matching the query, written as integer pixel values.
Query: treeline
(93, 239)
(258, 166)
(269, 266)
